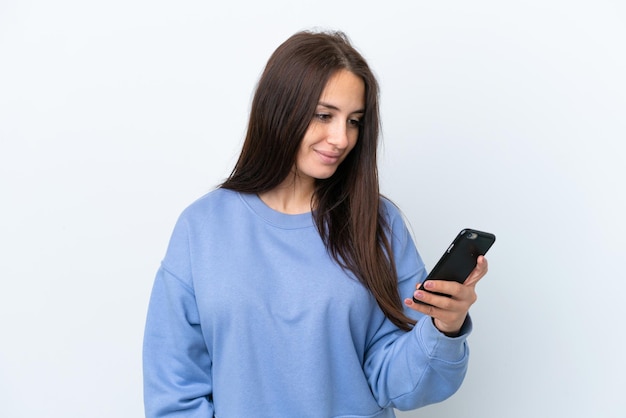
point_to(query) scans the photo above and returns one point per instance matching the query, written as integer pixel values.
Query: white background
(507, 116)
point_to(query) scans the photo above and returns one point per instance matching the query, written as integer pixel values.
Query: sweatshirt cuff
(437, 345)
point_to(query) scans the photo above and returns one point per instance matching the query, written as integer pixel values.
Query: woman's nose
(338, 135)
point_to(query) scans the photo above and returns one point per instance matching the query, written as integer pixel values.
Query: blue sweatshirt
(250, 317)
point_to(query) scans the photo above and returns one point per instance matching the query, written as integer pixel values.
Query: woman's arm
(176, 362)
(411, 369)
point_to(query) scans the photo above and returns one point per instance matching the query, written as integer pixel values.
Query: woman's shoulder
(214, 203)
(389, 209)
(396, 220)
(215, 198)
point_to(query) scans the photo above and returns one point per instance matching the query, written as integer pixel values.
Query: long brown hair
(347, 205)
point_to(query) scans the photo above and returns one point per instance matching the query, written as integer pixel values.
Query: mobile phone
(460, 258)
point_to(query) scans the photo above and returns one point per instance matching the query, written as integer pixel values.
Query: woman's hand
(449, 313)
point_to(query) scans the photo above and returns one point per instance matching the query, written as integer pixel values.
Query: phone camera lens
(472, 235)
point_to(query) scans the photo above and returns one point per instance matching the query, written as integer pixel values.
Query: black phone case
(461, 256)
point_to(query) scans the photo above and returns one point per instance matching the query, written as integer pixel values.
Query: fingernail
(428, 285)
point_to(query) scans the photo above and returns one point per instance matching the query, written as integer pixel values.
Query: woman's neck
(293, 196)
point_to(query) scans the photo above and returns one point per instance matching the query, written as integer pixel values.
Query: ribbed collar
(274, 217)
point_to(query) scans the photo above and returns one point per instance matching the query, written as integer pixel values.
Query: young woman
(280, 294)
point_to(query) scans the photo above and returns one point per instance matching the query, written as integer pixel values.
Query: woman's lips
(328, 157)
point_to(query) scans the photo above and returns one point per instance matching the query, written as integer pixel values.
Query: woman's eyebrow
(333, 107)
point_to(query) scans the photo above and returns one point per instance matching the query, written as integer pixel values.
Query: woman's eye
(354, 122)
(324, 117)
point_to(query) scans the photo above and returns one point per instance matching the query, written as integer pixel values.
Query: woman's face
(334, 129)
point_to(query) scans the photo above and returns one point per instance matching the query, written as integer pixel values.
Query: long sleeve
(418, 368)
(177, 364)
(407, 370)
